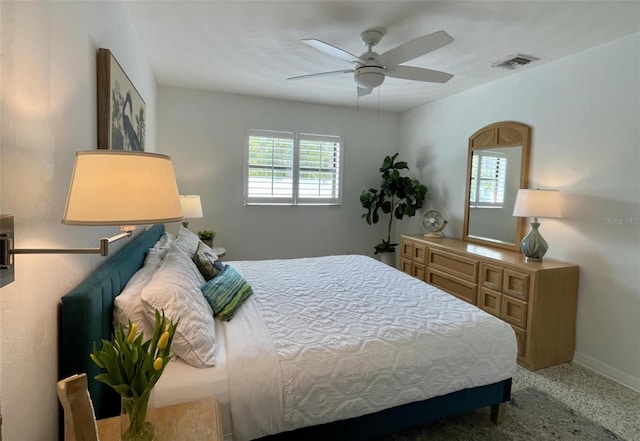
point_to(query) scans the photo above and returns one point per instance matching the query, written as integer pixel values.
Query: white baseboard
(607, 371)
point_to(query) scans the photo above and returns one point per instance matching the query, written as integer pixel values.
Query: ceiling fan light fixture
(369, 77)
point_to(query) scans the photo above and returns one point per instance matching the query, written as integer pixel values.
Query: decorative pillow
(187, 241)
(175, 289)
(226, 292)
(207, 262)
(163, 244)
(128, 305)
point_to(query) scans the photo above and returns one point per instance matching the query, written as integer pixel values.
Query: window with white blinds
(488, 175)
(293, 168)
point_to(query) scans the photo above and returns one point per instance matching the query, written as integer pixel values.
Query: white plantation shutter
(292, 169)
(319, 169)
(488, 175)
(269, 167)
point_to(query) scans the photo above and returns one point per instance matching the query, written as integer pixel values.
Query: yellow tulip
(157, 364)
(164, 339)
(96, 361)
(132, 332)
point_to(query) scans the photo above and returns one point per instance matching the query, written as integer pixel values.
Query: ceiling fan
(371, 68)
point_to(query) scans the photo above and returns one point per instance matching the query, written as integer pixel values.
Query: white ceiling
(251, 47)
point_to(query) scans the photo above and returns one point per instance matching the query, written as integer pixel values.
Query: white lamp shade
(191, 206)
(122, 188)
(537, 203)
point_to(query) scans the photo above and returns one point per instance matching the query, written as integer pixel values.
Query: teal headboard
(86, 317)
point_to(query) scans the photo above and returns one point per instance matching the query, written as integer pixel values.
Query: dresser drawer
(516, 284)
(514, 311)
(460, 288)
(419, 254)
(417, 270)
(491, 276)
(490, 301)
(521, 338)
(405, 265)
(406, 249)
(459, 266)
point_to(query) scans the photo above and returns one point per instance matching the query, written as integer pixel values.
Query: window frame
(295, 198)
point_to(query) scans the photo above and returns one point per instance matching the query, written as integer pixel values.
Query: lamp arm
(6, 250)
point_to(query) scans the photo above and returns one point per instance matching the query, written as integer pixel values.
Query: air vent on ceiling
(514, 61)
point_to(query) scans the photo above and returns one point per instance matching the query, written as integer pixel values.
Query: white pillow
(163, 244)
(128, 305)
(175, 288)
(187, 241)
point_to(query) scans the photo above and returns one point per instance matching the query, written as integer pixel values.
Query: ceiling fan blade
(363, 92)
(418, 74)
(332, 50)
(321, 74)
(415, 48)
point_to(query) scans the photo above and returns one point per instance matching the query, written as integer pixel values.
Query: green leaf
(385, 247)
(399, 211)
(106, 379)
(386, 164)
(123, 389)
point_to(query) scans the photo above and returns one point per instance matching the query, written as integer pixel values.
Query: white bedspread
(336, 337)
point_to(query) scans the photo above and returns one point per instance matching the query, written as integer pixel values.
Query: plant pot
(208, 242)
(388, 258)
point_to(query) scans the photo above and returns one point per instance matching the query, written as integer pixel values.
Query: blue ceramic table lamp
(536, 203)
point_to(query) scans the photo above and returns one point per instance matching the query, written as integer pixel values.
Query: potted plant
(207, 237)
(397, 197)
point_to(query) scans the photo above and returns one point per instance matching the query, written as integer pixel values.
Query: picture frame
(121, 109)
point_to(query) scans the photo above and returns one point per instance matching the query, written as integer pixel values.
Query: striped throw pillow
(226, 292)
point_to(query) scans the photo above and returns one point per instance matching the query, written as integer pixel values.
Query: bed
(405, 353)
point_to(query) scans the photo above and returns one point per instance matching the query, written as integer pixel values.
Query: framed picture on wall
(121, 109)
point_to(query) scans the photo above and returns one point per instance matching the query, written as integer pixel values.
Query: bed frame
(85, 317)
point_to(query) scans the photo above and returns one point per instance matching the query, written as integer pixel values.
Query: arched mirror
(497, 166)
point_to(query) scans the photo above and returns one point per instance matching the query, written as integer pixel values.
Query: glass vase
(136, 423)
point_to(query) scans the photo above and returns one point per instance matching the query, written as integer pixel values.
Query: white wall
(204, 133)
(584, 111)
(48, 111)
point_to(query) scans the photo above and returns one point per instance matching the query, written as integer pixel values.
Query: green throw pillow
(226, 292)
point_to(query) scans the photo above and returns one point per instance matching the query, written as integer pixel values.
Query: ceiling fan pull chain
(357, 93)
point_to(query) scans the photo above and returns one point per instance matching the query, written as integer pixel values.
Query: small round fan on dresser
(433, 223)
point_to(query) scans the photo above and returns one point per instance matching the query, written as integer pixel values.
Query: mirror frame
(498, 135)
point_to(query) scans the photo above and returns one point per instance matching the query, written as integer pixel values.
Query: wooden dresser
(538, 299)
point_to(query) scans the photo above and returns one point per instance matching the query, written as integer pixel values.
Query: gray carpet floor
(589, 405)
(600, 399)
(530, 415)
